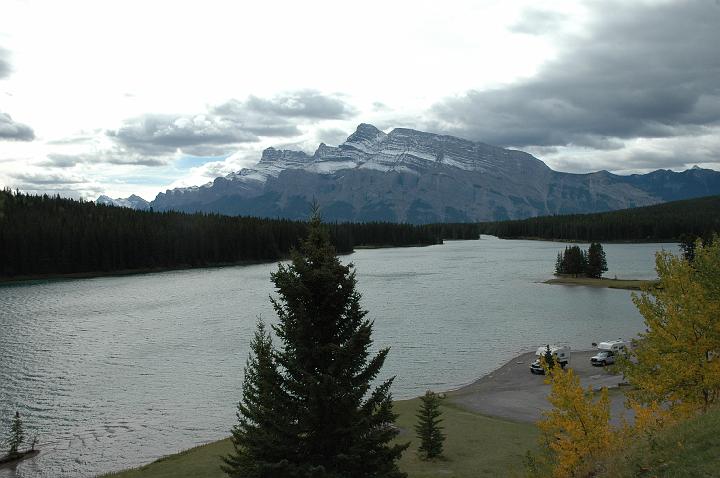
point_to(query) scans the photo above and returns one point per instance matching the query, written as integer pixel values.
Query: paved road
(513, 392)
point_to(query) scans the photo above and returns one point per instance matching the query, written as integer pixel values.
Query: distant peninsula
(628, 284)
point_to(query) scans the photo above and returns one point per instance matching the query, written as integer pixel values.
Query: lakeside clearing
(476, 446)
(627, 284)
(488, 431)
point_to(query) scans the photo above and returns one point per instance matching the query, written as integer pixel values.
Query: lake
(115, 372)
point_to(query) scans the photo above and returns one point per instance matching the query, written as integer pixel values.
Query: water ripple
(115, 372)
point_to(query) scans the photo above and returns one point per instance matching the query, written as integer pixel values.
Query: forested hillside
(43, 235)
(669, 221)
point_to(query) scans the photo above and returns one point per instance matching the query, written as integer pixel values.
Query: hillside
(669, 221)
(688, 449)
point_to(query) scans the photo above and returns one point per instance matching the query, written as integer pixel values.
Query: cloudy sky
(122, 97)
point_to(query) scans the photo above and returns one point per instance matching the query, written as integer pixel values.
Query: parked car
(560, 353)
(536, 368)
(607, 352)
(605, 357)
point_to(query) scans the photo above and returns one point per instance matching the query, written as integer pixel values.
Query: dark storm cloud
(14, 131)
(162, 134)
(226, 125)
(43, 179)
(279, 116)
(116, 157)
(241, 116)
(644, 70)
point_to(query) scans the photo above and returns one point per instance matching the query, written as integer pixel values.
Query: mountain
(133, 202)
(417, 177)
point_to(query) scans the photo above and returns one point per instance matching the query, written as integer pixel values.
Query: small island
(577, 267)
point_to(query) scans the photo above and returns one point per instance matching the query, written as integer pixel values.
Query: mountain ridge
(418, 177)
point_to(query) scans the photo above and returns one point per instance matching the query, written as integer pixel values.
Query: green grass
(688, 449)
(476, 446)
(203, 461)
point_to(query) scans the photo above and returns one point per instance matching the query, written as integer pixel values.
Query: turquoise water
(116, 372)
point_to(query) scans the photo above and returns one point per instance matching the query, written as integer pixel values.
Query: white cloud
(231, 78)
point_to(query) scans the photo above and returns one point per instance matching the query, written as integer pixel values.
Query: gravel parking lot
(514, 393)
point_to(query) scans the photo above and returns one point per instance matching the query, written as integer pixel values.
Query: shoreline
(25, 279)
(508, 394)
(219, 442)
(583, 241)
(7, 461)
(606, 283)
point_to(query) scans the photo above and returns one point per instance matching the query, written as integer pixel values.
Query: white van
(607, 351)
(560, 353)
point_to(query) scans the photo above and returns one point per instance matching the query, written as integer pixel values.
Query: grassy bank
(477, 446)
(628, 284)
(688, 449)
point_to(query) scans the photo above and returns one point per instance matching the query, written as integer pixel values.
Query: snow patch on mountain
(370, 148)
(132, 202)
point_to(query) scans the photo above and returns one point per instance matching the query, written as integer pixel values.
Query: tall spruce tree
(596, 261)
(17, 434)
(263, 427)
(428, 427)
(331, 422)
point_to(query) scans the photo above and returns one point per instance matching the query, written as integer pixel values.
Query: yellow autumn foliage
(676, 362)
(577, 430)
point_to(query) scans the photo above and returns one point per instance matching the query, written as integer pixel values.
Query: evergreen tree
(559, 266)
(549, 359)
(428, 427)
(17, 434)
(339, 427)
(596, 261)
(572, 261)
(262, 426)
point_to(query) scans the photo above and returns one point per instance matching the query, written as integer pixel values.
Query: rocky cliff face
(417, 177)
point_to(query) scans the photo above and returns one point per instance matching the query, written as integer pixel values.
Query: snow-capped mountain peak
(133, 202)
(414, 176)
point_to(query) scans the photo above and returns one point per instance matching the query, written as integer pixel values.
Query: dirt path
(513, 392)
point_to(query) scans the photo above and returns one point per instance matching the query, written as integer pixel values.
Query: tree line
(46, 235)
(662, 222)
(575, 261)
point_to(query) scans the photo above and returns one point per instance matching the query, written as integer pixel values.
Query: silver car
(606, 357)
